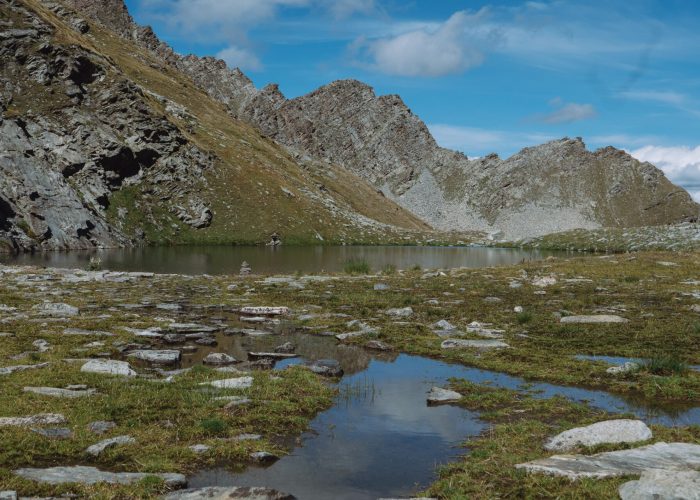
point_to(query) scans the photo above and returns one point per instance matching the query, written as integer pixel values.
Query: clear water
(267, 260)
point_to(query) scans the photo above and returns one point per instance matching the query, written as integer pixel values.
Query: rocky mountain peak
(112, 14)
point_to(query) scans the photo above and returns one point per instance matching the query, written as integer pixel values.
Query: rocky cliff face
(103, 144)
(553, 187)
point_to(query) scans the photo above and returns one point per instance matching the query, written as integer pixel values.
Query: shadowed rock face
(549, 188)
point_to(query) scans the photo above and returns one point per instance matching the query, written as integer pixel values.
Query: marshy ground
(167, 412)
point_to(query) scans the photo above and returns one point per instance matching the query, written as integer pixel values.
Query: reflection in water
(267, 260)
(381, 439)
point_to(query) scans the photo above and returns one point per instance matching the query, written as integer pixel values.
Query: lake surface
(280, 260)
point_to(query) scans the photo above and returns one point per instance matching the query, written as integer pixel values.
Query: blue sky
(485, 76)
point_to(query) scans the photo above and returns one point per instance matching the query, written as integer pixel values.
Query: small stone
(263, 457)
(438, 395)
(443, 324)
(41, 345)
(101, 426)
(518, 309)
(378, 345)
(400, 312)
(231, 383)
(6, 370)
(219, 358)
(208, 341)
(108, 367)
(199, 448)
(493, 300)
(40, 419)
(54, 433)
(599, 318)
(657, 484)
(247, 437)
(607, 432)
(8, 495)
(97, 448)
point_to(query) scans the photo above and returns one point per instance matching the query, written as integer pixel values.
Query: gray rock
(199, 448)
(628, 367)
(160, 357)
(56, 310)
(55, 432)
(381, 287)
(378, 345)
(97, 448)
(287, 347)
(8, 495)
(247, 437)
(326, 368)
(673, 456)
(475, 344)
(400, 312)
(6, 370)
(663, 485)
(92, 475)
(493, 300)
(444, 325)
(231, 383)
(229, 492)
(607, 432)
(219, 358)
(598, 318)
(108, 367)
(60, 393)
(438, 395)
(86, 333)
(263, 457)
(40, 419)
(101, 426)
(264, 311)
(271, 355)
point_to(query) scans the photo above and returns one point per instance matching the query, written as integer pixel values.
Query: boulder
(92, 475)
(619, 463)
(607, 432)
(663, 485)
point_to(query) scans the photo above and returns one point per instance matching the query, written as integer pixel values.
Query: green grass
(666, 365)
(524, 317)
(356, 266)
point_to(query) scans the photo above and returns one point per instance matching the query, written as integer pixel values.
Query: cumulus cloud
(448, 48)
(681, 164)
(567, 112)
(237, 57)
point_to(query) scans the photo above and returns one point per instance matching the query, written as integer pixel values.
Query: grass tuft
(357, 266)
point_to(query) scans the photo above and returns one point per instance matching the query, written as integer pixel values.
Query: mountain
(549, 188)
(105, 143)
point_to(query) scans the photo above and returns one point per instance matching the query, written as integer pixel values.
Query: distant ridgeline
(109, 138)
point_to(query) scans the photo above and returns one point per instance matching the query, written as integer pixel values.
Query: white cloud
(681, 164)
(567, 112)
(452, 47)
(237, 57)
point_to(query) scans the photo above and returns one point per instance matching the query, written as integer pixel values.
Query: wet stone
(54, 432)
(229, 492)
(326, 368)
(264, 457)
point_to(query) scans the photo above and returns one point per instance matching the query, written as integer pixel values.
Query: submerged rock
(596, 318)
(437, 395)
(619, 463)
(92, 475)
(229, 492)
(609, 431)
(663, 485)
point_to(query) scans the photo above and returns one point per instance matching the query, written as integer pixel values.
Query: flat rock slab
(219, 358)
(56, 310)
(40, 419)
(108, 367)
(437, 395)
(264, 311)
(231, 383)
(607, 432)
(101, 426)
(663, 485)
(673, 456)
(226, 493)
(476, 344)
(399, 312)
(6, 370)
(86, 333)
(628, 367)
(54, 432)
(271, 355)
(598, 318)
(92, 475)
(160, 357)
(60, 393)
(191, 328)
(97, 448)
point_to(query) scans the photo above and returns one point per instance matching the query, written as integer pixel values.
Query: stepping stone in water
(225, 492)
(619, 463)
(437, 395)
(477, 344)
(326, 368)
(40, 419)
(97, 448)
(108, 367)
(231, 383)
(609, 431)
(92, 475)
(663, 485)
(219, 358)
(599, 318)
